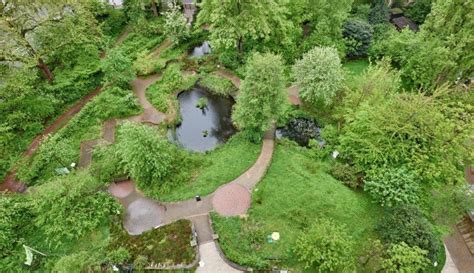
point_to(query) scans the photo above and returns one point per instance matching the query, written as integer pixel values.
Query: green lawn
(356, 67)
(219, 166)
(295, 191)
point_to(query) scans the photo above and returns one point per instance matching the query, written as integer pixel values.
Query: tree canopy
(234, 22)
(262, 95)
(319, 75)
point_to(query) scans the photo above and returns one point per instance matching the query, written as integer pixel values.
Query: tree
(118, 69)
(319, 75)
(175, 27)
(405, 259)
(69, 207)
(392, 186)
(262, 95)
(407, 224)
(233, 22)
(325, 246)
(379, 12)
(385, 128)
(357, 35)
(323, 19)
(439, 53)
(148, 158)
(42, 32)
(419, 10)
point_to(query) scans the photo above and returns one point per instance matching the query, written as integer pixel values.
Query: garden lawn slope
(295, 191)
(219, 166)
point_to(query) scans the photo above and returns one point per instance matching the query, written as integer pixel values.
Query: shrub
(403, 258)
(319, 74)
(345, 173)
(325, 246)
(379, 12)
(407, 224)
(419, 10)
(15, 214)
(114, 22)
(218, 85)
(358, 36)
(147, 157)
(392, 186)
(69, 207)
(144, 64)
(117, 68)
(361, 12)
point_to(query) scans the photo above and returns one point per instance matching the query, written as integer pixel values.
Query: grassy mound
(296, 191)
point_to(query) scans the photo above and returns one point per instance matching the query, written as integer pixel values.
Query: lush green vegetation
(217, 84)
(62, 148)
(401, 125)
(157, 245)
(295, 193)
(215, 170)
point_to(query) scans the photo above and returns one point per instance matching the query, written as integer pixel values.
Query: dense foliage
(407, 224)
(69, 207)
(416, 137)
(357, 35)
(325, 246)
(262, 95)
(403, 258)
(439, 53)
(319, 74)
(234, 22)
(419, 10)
(391, 187)
(379, 13)
(147, 157)
(117, 68)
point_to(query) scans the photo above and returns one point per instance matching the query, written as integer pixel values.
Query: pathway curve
(10, 184)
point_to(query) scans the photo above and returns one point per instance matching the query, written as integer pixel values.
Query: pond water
(201, 50)
(202, 129)
(301, 130)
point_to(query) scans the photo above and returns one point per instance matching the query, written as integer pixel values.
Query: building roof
(403, 22)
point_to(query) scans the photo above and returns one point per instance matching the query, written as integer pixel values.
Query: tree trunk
(240, 45)
(153, 7)
(45, 69)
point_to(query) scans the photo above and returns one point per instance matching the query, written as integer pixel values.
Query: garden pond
(205, 120)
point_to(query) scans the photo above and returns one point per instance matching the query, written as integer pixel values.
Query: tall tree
(35, 32)
(175, 27)
(323, 20)
(235, 21)
(428, 134)
(262, 95)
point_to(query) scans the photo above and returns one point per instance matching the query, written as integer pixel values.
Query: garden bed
(168, 245)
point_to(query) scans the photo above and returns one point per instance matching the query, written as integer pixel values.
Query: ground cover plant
(157, 245)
